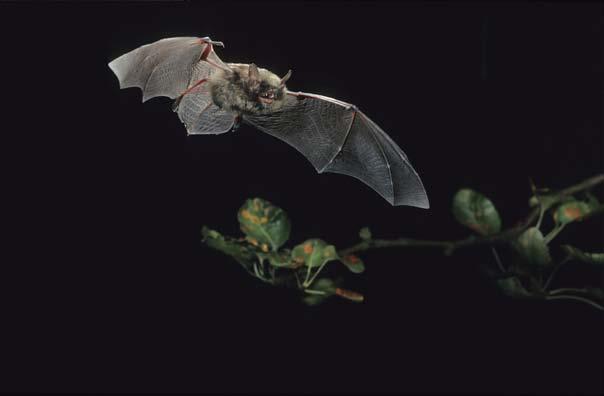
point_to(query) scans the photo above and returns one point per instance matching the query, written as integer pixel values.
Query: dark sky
(107, 287)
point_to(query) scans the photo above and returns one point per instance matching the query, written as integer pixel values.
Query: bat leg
(236, 124)
(192, 87)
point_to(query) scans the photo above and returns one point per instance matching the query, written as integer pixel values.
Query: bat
(213, 97)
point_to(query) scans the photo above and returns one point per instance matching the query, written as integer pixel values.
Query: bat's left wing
(337, 137)
(178, 67)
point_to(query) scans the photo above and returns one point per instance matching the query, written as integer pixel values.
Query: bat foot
(236, 124)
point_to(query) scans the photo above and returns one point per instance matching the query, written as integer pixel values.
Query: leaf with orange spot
(264, 222)
(571, 211)
(315, 252)
(353, 263)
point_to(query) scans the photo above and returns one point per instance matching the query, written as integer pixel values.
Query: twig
(576, 298)
(584, 185)
(504, 236)
(399, 242)
(567, 290)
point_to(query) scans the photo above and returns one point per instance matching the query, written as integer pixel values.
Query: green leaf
(512, 287)
(314, 299)
(532, 247)
(228, 246)
(314, 253)
(280, 259)
(264, 224)
(476, 211)
(323, 285)
(593, 258)
(365, 233)
(571, 211)
(354, 263)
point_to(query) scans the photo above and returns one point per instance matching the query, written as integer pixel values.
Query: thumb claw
(208, 40)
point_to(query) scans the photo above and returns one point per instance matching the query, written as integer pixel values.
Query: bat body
(213, 97)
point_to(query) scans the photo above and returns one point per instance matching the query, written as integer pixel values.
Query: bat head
(265, 88)
(248, 89)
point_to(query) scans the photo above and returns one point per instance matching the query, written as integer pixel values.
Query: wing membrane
(174, 67)
(337, 137)
(166, 67)
(200, 115)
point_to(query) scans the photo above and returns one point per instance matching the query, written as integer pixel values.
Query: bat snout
(267, 101)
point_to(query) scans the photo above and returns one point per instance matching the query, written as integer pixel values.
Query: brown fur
(237, 91)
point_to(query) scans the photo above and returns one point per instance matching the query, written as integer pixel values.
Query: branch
(584, 185)
(511, 233)
(576, 298)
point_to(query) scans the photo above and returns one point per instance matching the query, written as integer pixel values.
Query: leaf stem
(308, 283)
(308, 268)
(541, 213)
(322, 293)
(498, 260)
(298, 280)
(554, 272)
(548, 238)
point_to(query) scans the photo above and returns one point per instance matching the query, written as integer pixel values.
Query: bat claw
(236, 124)
(208, 40)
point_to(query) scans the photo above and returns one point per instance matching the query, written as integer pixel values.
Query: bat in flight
(213, 97)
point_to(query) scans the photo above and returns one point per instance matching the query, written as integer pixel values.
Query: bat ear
(253, 74)
(286, 77)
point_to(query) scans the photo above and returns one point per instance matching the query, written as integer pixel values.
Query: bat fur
(239, 91)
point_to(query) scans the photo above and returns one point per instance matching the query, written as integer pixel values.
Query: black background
(107, 287)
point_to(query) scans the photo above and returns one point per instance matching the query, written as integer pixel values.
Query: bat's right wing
(337, 137)
(178, 68)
